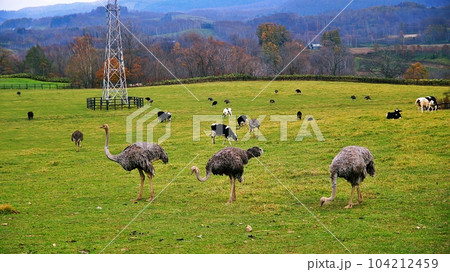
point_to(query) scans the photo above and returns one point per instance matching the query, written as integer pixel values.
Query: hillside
(218, 9)
(357, 27)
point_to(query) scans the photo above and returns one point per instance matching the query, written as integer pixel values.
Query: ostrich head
(254, 152)
(105, 126)
(194, 169)
(324, 200)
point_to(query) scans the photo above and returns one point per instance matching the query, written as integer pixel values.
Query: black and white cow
(222, 130)
(164, 116)
(433, 103)
(227, 111)
(394, 115)
(242, 120)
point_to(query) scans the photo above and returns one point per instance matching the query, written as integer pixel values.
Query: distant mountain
(214, 9)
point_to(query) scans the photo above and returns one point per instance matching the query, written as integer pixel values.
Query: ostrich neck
(197, 174)
(333, 187)
(108, 154)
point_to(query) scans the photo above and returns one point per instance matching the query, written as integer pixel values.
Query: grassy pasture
(29, 81)
(59, 192)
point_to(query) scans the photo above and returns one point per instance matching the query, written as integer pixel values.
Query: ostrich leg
(141, 188)
(152, 193)
(350, 203)
(234, 191)
(360, 198)
(231, 191)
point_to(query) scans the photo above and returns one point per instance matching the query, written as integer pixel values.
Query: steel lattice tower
(114, 77)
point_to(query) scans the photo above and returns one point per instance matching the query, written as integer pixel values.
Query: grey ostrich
(229, 161)
(139, 155)
(353, 163)
(77, 137)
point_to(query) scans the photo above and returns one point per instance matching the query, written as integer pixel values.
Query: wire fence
(39, 86)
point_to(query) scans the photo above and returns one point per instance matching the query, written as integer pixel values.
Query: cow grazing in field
(433, 103)
(422, 103)
(164, 116)
(210, 99)
(149, 100)
(299, 115)
(276, 91)
(353, 97)
(214, 104)
(19, 93)
(272, 101)
(242, 120)
(298, 91)
(227, 101)
(222, 130)
(30, 115)
(367, 97)
(394, 115)
(226, 111)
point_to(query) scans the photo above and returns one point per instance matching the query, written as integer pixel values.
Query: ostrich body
(229, 161)
(77, 137)
(353, 163)
(139, 155)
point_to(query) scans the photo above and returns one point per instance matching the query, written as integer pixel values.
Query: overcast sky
(18, 4)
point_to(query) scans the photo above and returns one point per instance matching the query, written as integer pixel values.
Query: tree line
(274, 51)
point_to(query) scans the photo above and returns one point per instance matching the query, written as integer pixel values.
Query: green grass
(28, 81)
(57, 190)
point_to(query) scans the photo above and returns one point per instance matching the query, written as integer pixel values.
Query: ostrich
(229, 161)
(353, 163)
(77, 137)
(139, 155)
(214, 103)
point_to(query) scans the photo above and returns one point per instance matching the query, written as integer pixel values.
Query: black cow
(299, 115)
(164, 116)
(227, 101)
(394, 115)
(433, 103)
(272, 101)
(214, 103)
(222, 130)
(298, 91)
(367, 97)
(19, 93)
(353, 97)
(30, 115)
(276, 91)
(210, 99)
(242, 120)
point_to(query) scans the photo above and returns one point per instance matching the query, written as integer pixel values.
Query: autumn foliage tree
(84, 62)
(272, 37)
(416, 71)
